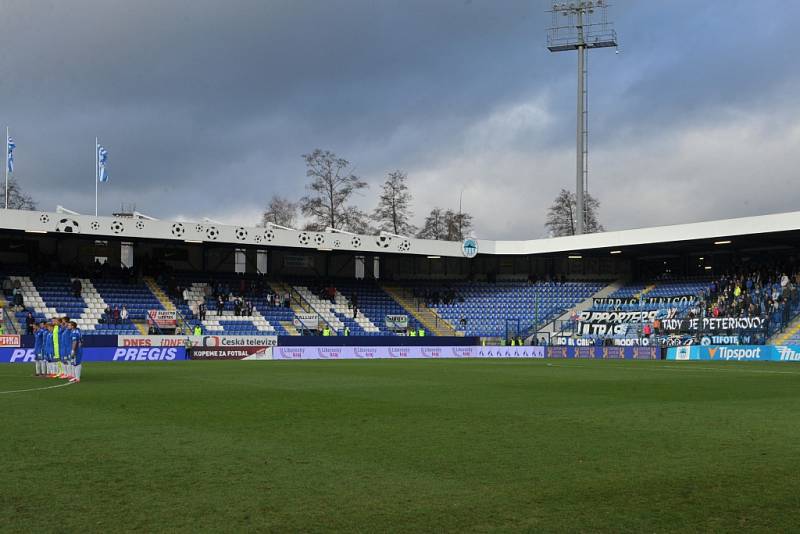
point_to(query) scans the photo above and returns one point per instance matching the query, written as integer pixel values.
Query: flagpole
(96, 170)
(6, 167)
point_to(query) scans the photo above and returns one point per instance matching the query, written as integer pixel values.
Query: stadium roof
(710, 232)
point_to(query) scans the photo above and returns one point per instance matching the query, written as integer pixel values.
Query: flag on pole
(10, 158)
(102, 158)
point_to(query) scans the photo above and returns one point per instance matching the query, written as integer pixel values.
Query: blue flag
(10, 158)
(102, 158)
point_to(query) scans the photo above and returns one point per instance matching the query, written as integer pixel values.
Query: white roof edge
(212, 232)
(760, 224)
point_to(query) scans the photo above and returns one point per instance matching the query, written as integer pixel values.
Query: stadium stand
(265, 319)
(375, 304)
(771, 294)
(475, 308)
(486, 306)
(51, 295)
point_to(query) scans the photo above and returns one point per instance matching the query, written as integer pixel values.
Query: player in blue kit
(64, 346)
(48, 350)
(55, 339)
(76, 350)
(38, 349)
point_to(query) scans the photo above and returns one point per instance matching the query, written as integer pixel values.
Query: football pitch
(403, 446)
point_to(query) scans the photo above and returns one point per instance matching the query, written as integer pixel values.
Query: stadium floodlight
(575, 257)
(724, 242)
(278, 226)
(140, 215)
(390, 234)
(62, 209)
(581, 26)
(332, 230)
(615, 252)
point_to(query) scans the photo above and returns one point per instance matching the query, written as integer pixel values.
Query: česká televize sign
(197, 341)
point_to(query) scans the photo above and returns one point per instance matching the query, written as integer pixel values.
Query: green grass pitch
(403, 446)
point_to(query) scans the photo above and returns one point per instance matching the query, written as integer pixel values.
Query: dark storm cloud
(206, 106)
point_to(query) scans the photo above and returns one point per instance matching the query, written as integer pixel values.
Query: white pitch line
(37, 389)
(684, 369)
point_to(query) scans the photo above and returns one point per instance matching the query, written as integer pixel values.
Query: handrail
(7, 321)
(307, 307)
(419, 304)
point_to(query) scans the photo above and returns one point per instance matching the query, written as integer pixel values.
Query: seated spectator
(115, 314)
(123, 314)
(29, 322)
(77, 288)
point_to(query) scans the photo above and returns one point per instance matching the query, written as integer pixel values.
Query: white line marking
(37, 389)
(689, 368)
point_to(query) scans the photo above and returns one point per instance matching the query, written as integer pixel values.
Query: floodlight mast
(581, 31)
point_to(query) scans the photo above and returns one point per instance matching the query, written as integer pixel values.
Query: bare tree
(394, 206)
(435, 226)
(459, 224)
(17, 198)
(561, 216)
(280, 211)
(446, 225)
(330, 191)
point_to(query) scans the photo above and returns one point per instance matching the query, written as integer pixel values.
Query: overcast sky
(206, 106)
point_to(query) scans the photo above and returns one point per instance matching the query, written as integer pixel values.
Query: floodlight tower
(581, 25)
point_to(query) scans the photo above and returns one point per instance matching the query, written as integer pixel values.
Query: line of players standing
(58, 349)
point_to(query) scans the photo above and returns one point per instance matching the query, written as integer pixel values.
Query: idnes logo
(142, 354)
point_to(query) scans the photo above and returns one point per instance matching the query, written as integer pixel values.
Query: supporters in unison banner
(647, 300)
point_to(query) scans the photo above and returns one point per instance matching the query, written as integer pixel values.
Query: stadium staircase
(552, 328)
(789, 336)
(645, 291)
(165, 301)
(431, 320)
(280, 289)
(9, 317)
(159, 294)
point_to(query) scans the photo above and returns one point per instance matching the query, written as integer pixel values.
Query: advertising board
(768, 353)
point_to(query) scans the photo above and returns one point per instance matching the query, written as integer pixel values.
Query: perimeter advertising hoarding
(9, 340)
(197, 341)
(358, 353)
(107, 354)
(230, 353)
(768, 353)
(352, 353)
(141, 354)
